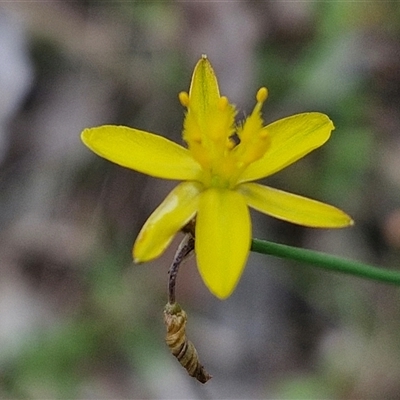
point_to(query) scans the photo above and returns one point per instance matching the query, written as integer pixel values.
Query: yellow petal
(142, 151)
(204, 92)
(290, 139)
(178, 208)
(293, 208)
(223, 234)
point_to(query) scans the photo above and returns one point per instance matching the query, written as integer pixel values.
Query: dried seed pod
(183, 349)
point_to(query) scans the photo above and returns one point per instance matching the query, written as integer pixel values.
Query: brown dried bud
(183, 349)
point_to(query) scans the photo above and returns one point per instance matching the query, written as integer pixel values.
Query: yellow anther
(196, 137)
(184, 99)
(263, 133)
(262, 95)
(230, 144)
(223, 103)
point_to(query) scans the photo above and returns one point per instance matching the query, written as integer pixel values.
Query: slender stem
(184, 250)
(326, 261)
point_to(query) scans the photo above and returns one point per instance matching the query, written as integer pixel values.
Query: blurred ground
(77, 318)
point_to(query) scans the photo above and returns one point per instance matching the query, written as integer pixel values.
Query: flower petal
(290, 138)
(223, 234)
(178, 208)
(142, 151)
(203, 92)
(293, 208)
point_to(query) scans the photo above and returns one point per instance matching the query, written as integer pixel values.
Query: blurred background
(77, 318)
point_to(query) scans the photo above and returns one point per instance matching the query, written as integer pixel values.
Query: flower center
(211, 139)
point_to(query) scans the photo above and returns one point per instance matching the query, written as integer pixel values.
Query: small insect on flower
(183, 349)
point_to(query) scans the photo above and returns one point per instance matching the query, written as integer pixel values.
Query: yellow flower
(217, 168)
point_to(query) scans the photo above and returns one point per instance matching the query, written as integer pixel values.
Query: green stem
(326, 261)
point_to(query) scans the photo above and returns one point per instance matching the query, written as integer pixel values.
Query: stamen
(184, 99)
(230, 143)
(223, 103)
(262, 95)
(264, 133)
